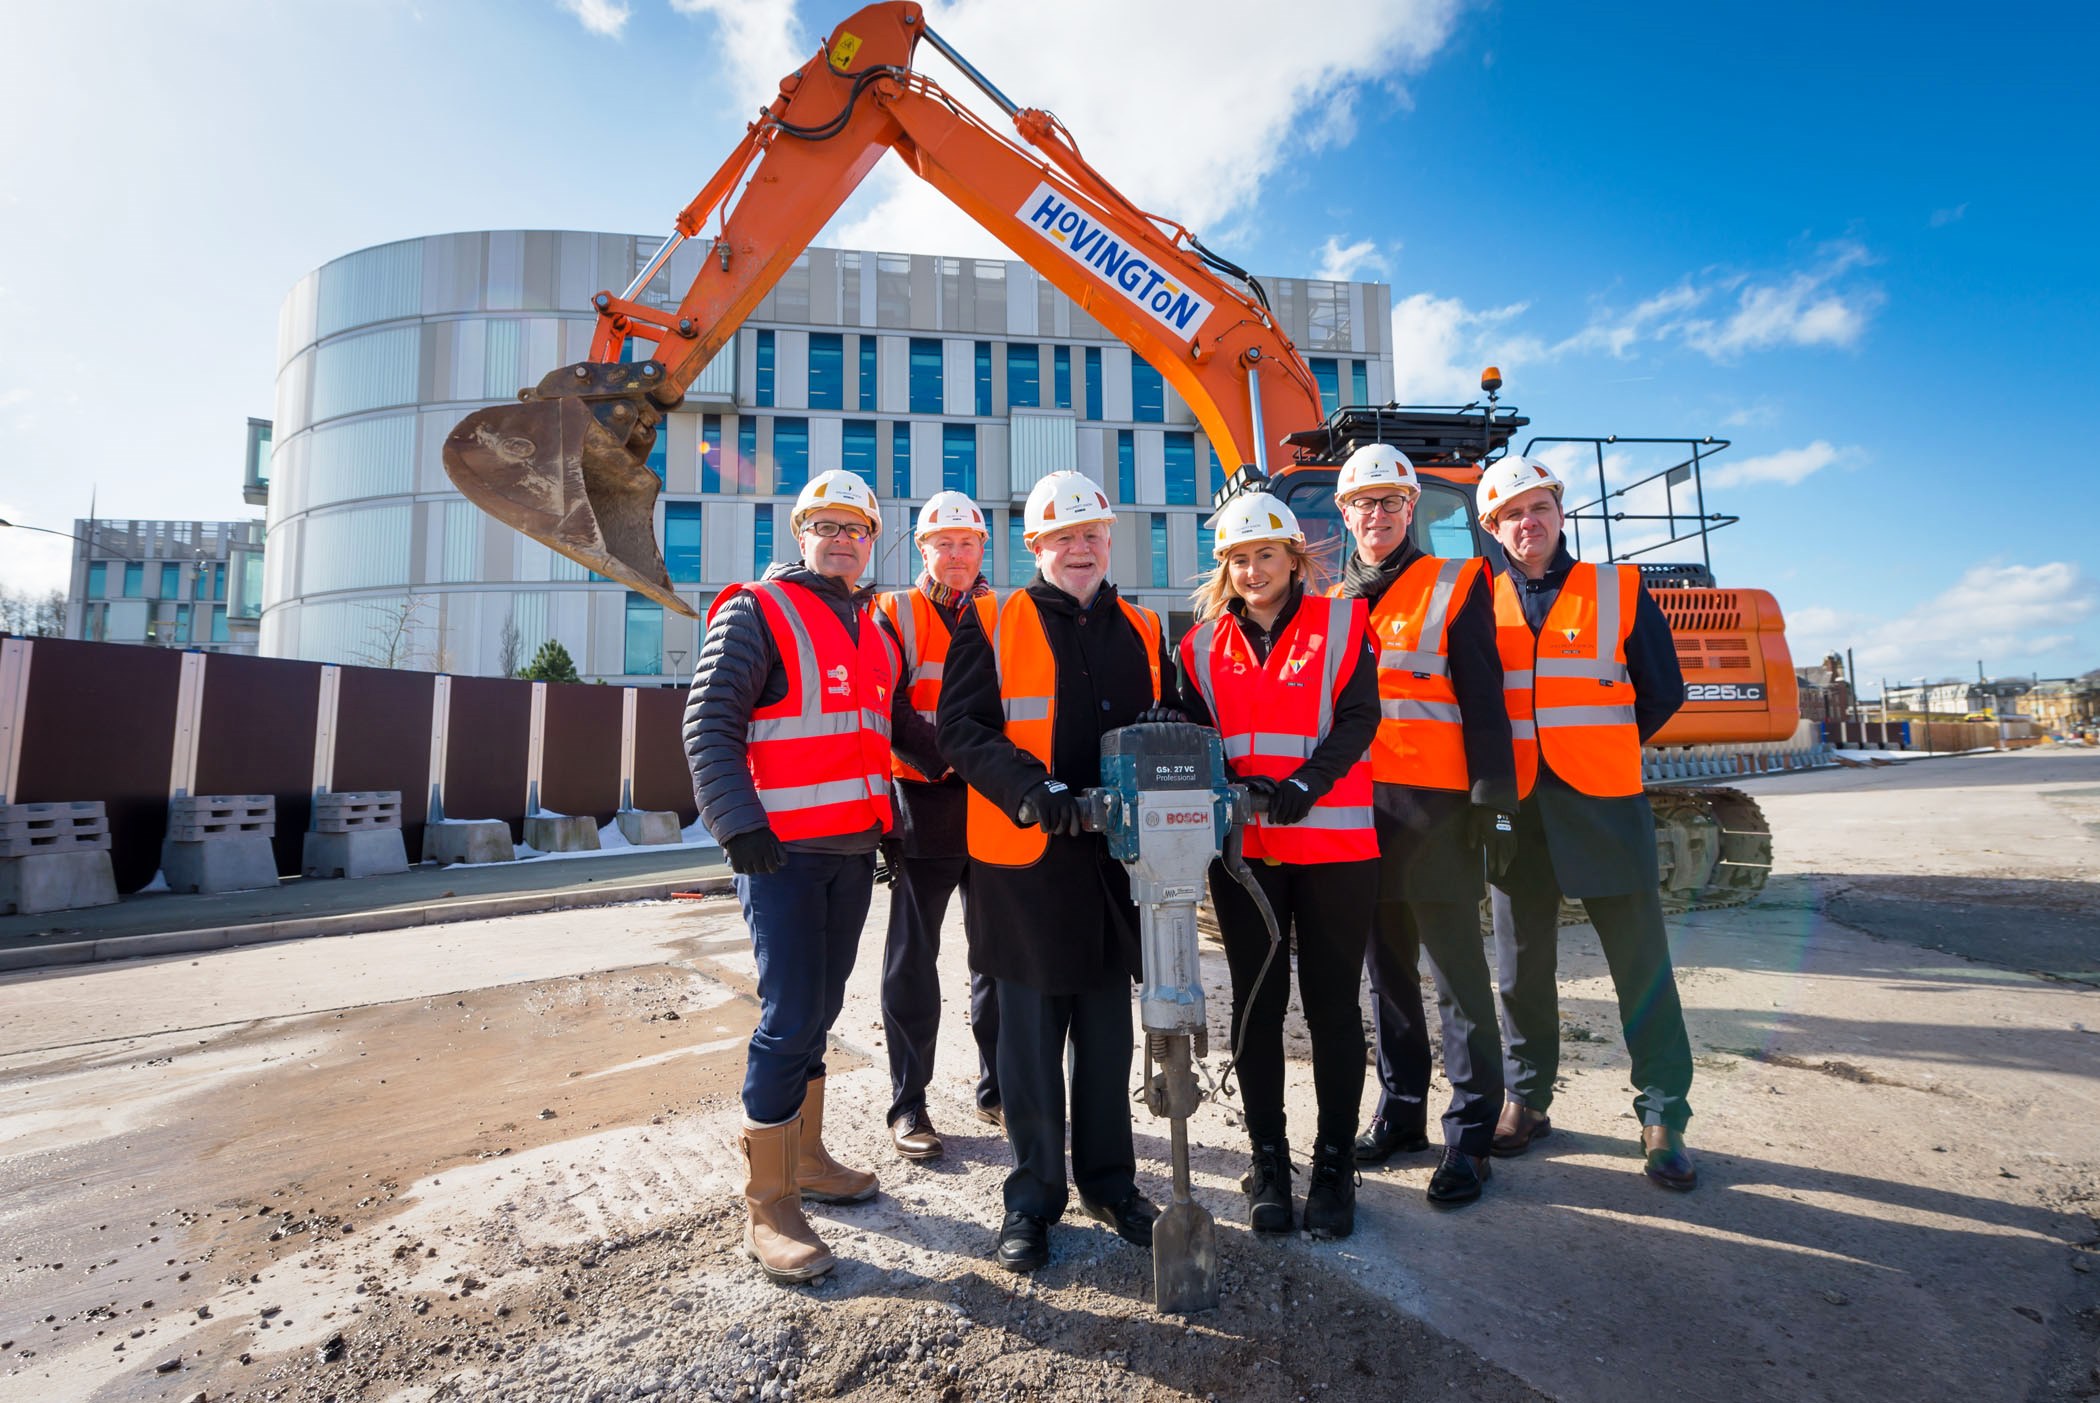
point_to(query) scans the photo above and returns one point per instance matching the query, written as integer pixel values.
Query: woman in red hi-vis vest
(1287, 676)
(787, 732)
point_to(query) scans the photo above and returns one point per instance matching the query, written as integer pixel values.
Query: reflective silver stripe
(1585, 716)
(928, 672)
(1337, 625)
(1238, 747)
(805, 651)
(877, 721)
(810, 796)
(907, 620)
(1595, 669)
(1276, 745)
(1523, 730)
(1199, 652)
(1403, 660)
(1025, 708)
(1608, 607)
(1401, 710)
(822, 723)
(1516, 681)
(1439, 604)
(1331, 818)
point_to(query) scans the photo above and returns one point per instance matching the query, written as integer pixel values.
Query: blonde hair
(1216, 591)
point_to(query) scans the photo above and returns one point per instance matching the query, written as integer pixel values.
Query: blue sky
(1854, 239)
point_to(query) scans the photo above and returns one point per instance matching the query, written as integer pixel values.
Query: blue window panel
(627, 351)
(1019, 563)
(645, 637)
(959, 459)
(900, 459)
(1024, 376)
(98, 580)
(762, 538)
(219, 633)
(984, 379)
(134, 580)
(660, 451)
(868, 374)
(1359, 383)
(925, 376)
(1329, 376)
(682, 541)
(710, 453)
(1148, 393)
(1159, 550)
(1206, 542)
(1126, 465)
(827, 370)
(182, 623)
(790, 455)
(1181, 469)
(763, 392)
(170, 582)
(857, 449)
(1061, 377)
(218, 581)
(746, 453)
(1217, 474)
(1093, 382)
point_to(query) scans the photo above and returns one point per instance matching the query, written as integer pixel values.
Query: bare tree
(508, 647)
(29, 615)
(393, 633)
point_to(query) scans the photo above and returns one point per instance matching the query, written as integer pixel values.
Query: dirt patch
(1829, 1067)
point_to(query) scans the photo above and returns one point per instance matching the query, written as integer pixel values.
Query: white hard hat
(1510, 477)
(1254, 517)
(949, 511)
(1376, 465)
(1064, 499)
(837, 488)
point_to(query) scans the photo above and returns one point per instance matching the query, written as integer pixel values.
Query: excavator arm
(567, 464)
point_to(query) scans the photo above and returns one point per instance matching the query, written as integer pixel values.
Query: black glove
(756, 853)
(1159, 712)
(1494, 832)
(1053, 808)
(889, 857)
(1261, 790)
(1292, 801)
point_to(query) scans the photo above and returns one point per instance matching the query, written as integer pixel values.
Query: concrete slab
(355, 852)
(561, 833)
(648, 827)
(56, 881)
(468, 840)
(220, 863)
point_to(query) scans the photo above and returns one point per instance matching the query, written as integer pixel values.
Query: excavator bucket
(568, 466)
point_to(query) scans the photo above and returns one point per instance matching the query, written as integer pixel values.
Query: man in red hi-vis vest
(787, 733)
(1590, 672)
(927, 856)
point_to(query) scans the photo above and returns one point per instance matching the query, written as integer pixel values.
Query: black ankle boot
(1268, 1185)
(1330, 1199)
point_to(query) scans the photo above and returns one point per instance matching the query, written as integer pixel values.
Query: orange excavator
(566, 465)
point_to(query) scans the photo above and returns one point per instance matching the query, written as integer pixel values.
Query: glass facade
(925, 385)
(1328, 376)
(98, 580)
(762, 389)
(746, 453)
(1093, 382)
(762, 538)
(1020, 564)
(682, 541)
(170, 582)
(857, 450)
(900, 461)
(645, 636)
(1159, 549)
(1024, 375)
(1061, 377)
(1181, 469)
(1359, 382)
(827, 370)
(959, 459)
(710, 453)
(790, 455)
(134, 580)
(1126, 466)
(984, 379)
(1148, 393)
(869, 376)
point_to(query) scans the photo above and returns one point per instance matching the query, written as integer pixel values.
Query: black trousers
(1324, 912)
(1034, 1032)
(1465, 998)
(911, 985)
(1637, 950)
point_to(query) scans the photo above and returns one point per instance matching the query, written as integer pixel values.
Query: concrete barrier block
(360, 852)
(57, 881)
(648, 827)
(454, 840)
(561, 833)
(222, 862)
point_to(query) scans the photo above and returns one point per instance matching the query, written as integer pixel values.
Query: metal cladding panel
(485, 763)
(99, 723)
(256, 736)
(661, 779)
(1038, 445)
(580, 765)
(382, 740)
(958, 378)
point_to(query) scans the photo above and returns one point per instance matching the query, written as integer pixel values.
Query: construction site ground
(494, 1159)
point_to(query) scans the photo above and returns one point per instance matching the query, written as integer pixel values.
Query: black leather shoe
(1132, 1218)
(1268, 1185)
(1458, 1179)
(1383, 1139)
(1668, 1162)
(1330, 1199)
(1024, 1242)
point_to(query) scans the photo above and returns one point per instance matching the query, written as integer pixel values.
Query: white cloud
(2006, 616)
(1789, 466)
(606, 17)
(1943, 217)
(1199, 148)
(1814, 306)
(1340, 262)
(1440, 346)
(758, 44)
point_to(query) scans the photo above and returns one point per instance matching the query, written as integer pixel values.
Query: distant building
(175, 584)
(1825, 694)
(1998, 698)
(2063, 704)
(920, 373)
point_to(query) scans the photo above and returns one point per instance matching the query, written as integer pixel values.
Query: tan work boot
(776, 1235)
(821, 1178)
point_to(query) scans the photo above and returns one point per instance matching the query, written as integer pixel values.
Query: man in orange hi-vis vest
(1032, 684)
(927, 856)
(1590, 672)
(787, 733)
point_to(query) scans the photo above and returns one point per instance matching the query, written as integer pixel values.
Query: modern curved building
(918, 372)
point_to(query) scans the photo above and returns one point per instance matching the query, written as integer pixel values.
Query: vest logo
(1571, 634)
(1075, 230)
(841, 682)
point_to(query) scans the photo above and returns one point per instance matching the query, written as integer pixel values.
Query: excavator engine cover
(568, 465)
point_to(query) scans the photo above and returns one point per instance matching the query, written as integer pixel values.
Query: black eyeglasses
(851, 530)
